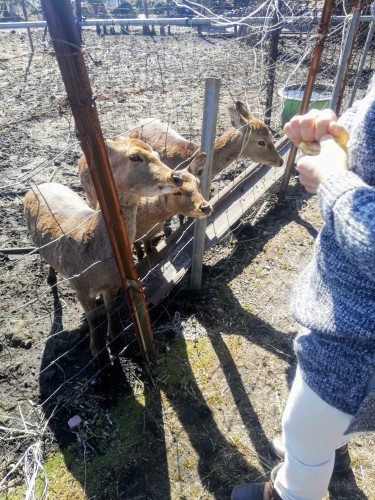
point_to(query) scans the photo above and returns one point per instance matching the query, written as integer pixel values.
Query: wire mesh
(47, 372)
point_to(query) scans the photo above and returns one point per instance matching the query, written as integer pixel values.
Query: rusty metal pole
(319, 45)
(66, 41)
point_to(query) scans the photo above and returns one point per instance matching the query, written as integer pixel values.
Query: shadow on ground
(120, 448)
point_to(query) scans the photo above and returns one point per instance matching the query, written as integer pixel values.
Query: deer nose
(177, 180)
(206, 209)
(281, 162)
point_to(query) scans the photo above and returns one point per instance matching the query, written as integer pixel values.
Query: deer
(73, 239)
(248, 137)
(153, 211)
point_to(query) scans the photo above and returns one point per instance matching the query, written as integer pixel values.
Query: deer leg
(138, 250)
(115, 338)
(167, 227)
(96, 325)
(148, 244)
(181, 219)
(51, 279)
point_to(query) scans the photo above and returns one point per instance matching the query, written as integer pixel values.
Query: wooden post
(66, 41)
(318, 49)
(211, 106)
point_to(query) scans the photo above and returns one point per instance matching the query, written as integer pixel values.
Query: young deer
(73, 239)
(153, 211)
(247, 138)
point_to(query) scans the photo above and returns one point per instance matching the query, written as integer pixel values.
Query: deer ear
(196, 165)
(243, 110)
(116, 151)
(236, 118)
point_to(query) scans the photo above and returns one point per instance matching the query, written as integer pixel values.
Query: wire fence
(47, 373)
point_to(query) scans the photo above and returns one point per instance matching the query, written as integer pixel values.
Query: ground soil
(198, 419)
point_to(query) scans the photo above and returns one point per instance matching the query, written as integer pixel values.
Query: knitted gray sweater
(334, 297)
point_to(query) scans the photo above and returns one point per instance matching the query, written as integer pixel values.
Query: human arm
(346, 202)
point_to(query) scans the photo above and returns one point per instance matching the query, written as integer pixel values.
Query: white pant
(312, 431)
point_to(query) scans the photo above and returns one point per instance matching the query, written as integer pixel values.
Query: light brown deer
(247, 138)
(73, 239)
(153, 211)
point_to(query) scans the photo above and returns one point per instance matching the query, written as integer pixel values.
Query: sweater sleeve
(348, 205)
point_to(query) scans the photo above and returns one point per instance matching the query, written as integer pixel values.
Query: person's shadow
(344, 487)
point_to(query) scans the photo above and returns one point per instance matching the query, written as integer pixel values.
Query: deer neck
(129, 212)
(128, 204)
(227, 149)
(158, 208)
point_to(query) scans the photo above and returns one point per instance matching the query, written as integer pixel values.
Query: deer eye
(135, 158)
(261, 143)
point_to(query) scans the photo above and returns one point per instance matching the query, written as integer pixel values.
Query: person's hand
(311, 126)
(315, 169)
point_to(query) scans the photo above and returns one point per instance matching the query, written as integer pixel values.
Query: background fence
(47, 374)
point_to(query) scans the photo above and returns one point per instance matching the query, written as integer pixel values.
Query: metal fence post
(318, 49)
(24, 11)
(366, 48)
(272, 57)
(338, 91)
(211, 106)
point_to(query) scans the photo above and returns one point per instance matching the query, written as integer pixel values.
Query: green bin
(292, 99)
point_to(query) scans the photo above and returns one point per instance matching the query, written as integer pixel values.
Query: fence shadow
(131, 448)
(264, 335)
(67, 390)
(66, 376)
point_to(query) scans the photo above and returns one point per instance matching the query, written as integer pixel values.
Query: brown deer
(247, 138)
(73, 239)
(153, 211)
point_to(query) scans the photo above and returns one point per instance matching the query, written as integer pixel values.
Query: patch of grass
(172, 367)
(61, 483)
(248, 307)
(188, 464)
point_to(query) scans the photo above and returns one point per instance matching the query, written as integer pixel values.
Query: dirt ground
(198, 420)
